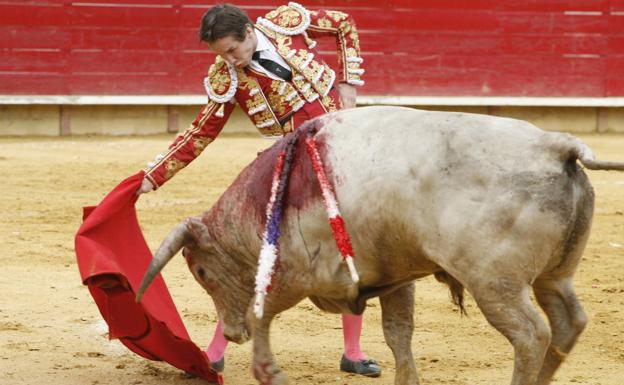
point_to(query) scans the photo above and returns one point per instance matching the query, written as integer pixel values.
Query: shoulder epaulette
(221, 81)
(291, 19)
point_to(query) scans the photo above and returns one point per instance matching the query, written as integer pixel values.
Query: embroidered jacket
(272, 105)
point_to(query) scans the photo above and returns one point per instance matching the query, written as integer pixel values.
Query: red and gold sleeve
(189, 144)
(342, 26)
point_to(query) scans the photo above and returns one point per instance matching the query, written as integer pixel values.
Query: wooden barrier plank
(121, 61)
(615, 74)
(616, 5)
(93, 15)
(32, 61)
(615, 86)
(129, 3)
(116, 38)
(272, 4)
(485, 46)
(30, 14)
(616, 23)
(122, 84)
(445, 4)
(616, 43)
(427, 20)
(441, 83)
(195, 63)
(481, 43)
(552, 23)
(564, 44)
(551, 65)
(34, 37)
(33, 83)
(554, 5)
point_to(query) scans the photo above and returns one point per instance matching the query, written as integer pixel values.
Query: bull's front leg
(397, 313)
(283, 297)
(265, 370)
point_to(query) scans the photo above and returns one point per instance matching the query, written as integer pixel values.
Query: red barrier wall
(419, 47)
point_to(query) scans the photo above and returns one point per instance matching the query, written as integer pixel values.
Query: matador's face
(236, 53)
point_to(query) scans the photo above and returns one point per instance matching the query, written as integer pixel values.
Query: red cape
(112, 258)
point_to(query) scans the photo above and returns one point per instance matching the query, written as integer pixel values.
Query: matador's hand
(347, 95)
(146, 186)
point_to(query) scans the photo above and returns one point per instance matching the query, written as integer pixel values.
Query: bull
(490, 205)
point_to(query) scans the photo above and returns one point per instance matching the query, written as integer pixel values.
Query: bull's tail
(456, 288)
(174, 241)
(573, 148)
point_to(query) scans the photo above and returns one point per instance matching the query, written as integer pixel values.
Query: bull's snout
(238, 334)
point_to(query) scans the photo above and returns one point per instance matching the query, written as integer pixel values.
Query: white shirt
(267, 51)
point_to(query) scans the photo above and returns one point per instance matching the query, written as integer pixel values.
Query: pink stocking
(217, 346)
(351, 329)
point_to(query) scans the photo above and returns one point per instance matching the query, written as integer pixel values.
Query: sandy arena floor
(51, 331)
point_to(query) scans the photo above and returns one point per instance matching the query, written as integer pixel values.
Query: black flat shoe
(218, 366)
(368, 368)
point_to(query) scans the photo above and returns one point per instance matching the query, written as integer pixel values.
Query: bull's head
(223, 276)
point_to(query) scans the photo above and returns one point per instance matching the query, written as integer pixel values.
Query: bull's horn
(168, 248)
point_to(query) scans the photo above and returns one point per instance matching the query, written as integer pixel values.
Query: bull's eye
(201, 273)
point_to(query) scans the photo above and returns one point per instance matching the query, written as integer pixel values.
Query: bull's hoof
(269, 374)
(279, 379)
(368, 368)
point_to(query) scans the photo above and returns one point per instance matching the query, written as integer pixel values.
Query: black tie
(272, 67)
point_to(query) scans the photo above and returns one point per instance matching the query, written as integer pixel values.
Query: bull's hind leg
(567, 321)
(397, 312)
(554, 292)
(507, 306)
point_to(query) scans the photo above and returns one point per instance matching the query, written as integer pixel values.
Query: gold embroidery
(324, 23)
(345, 28)
(284, 103)
(245, 82)
(200, 144)
(309, 72)
(254, 102)
(285, 17)
(299, 82)
(300, 58)
(288, 127)
(283, 40)
(329, 103)
(289, 18)
(305, 88)
(262, 119)
(277, 101)
(327, 80)
(356, 41)
(219, 76)
(351, 52)
(275, 13)
(172, 166)
(312, 70)
(271, 34)
(283, 50)
(337, 15)
(353, 35)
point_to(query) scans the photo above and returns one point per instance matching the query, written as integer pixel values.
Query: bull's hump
(249, 194)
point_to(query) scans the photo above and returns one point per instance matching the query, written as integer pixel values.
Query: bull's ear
(198, 231)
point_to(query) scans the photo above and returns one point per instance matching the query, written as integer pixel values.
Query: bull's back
(452, 188)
